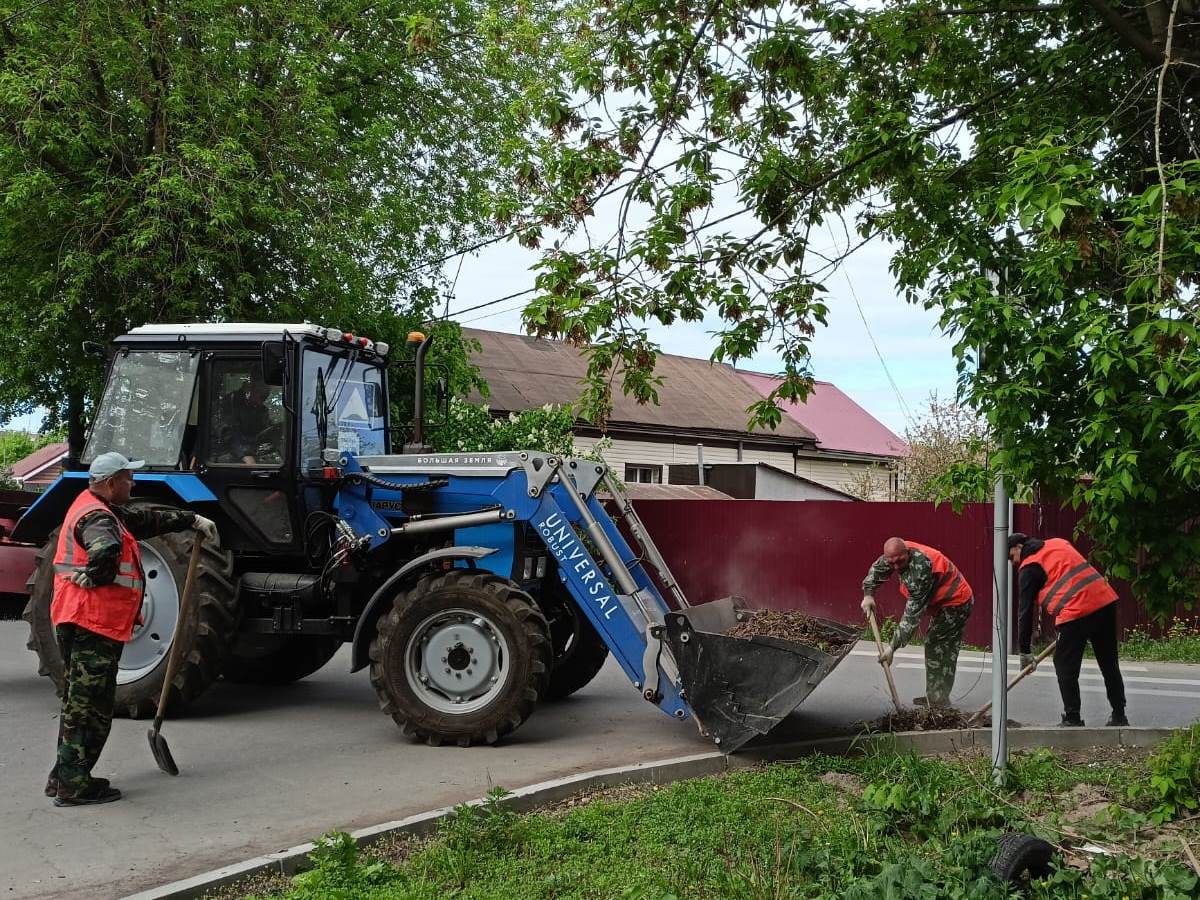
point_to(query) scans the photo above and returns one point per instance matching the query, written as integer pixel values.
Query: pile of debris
(790, 625)
(938, 718)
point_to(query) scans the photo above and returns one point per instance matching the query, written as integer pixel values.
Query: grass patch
(881, 826)
(1180, 642)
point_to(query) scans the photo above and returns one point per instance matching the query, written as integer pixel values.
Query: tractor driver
(247, 420)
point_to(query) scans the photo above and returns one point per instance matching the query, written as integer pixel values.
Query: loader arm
(736, 688)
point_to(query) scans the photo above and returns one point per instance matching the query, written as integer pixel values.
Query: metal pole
(700, 462)
(1000, 601)
(1000, 632)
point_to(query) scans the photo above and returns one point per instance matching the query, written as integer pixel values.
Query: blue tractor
(472, 586)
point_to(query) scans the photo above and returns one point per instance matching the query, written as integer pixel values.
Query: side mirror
(443, 398)
(274, 357)
(91, 348)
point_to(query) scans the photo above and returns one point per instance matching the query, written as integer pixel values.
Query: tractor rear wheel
(462, 657)
(273, 659)
(207, 633)
(579, 651)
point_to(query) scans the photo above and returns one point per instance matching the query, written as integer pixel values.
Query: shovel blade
(162, 753)
(740, 688)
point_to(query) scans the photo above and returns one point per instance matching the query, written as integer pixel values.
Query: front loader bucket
(739, 688)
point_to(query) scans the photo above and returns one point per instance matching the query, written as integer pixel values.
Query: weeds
(1174, 784)
(920, 828)
(1179, 642)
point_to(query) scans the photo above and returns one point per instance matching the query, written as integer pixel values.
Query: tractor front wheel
(462, 657)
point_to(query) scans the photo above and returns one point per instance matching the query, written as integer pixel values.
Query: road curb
(294, 859)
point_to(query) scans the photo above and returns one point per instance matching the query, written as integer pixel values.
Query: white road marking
(1013, 662)
(1085, 678)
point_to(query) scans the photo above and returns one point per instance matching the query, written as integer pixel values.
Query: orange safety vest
(110, 609)
(949, 588)
(1073, 587)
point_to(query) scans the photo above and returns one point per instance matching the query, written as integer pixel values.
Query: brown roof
(695, 397)
(38, 459)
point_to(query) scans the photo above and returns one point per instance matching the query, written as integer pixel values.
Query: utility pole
(1000, 605)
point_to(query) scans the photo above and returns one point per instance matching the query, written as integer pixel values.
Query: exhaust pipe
(421, 342)
(740, 688)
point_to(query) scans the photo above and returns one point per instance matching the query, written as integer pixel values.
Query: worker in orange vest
(931, 583)
(98, 586)
(1056, 579)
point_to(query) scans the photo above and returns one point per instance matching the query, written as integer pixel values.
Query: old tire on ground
(579, 651)
(462, 657)
(1020, 856)
(207, 634)
(273, 659)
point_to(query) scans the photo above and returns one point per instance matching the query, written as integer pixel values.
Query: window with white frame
(643, 474)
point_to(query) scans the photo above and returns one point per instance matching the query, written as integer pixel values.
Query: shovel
(887, 669)
(983, 711)
(158, 743)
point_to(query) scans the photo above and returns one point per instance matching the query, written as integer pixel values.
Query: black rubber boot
(1071, 721)
(1117, 720)
(93, 795)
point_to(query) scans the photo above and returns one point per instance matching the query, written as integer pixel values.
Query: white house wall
(836, 473)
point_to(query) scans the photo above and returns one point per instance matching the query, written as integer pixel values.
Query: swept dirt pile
(789, 626)
(922, 719)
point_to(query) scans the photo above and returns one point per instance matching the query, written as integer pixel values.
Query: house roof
(38, 460)
(810, 482)
(839, 423)
(674, 492)
(695, 397)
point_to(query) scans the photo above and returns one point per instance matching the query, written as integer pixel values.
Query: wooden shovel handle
(983, 710)
(887, 669)
(185, 609)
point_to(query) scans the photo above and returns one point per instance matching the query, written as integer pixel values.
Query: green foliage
(1046, 141)
(1178, 642)
(1174, 785)
(14, 447)
(472, 428)
(338, 873)
(282, 160)
(770, 833)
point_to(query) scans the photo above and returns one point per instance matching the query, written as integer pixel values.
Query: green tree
(1055, 143)
(471, 427)
(214, 160)
(948, 441)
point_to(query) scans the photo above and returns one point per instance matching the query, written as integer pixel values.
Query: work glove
(868, 604)
(80, 578)
(1027, 660)
(886, 656)
(208, 528)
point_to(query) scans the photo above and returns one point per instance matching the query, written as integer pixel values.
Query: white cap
(106, 465)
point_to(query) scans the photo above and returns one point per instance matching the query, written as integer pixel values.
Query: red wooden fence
(813, 555)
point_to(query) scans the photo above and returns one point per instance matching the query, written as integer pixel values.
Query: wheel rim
(457, 661)
(160, 613)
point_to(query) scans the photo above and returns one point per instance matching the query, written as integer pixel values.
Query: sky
(916, 353)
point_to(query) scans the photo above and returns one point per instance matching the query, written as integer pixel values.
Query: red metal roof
(839, 422)
(39, 459)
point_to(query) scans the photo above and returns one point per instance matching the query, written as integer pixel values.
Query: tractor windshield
(343, 406)
(145, 407)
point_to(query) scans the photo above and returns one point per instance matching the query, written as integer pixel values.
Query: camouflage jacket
(101, 537)
(917, 578)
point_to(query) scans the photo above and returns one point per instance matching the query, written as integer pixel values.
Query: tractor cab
(248, 409)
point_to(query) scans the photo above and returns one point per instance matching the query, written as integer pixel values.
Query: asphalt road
(264, 769)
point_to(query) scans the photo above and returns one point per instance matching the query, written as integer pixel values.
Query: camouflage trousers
(88, 696)
(941, 651)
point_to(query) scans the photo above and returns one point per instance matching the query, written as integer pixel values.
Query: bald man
(929, 582)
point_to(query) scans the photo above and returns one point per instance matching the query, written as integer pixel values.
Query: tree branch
(1128, 33)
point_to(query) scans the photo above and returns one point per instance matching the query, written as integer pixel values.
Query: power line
(498, 312)
(886, 371)
(459, 312)
(20, 12)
